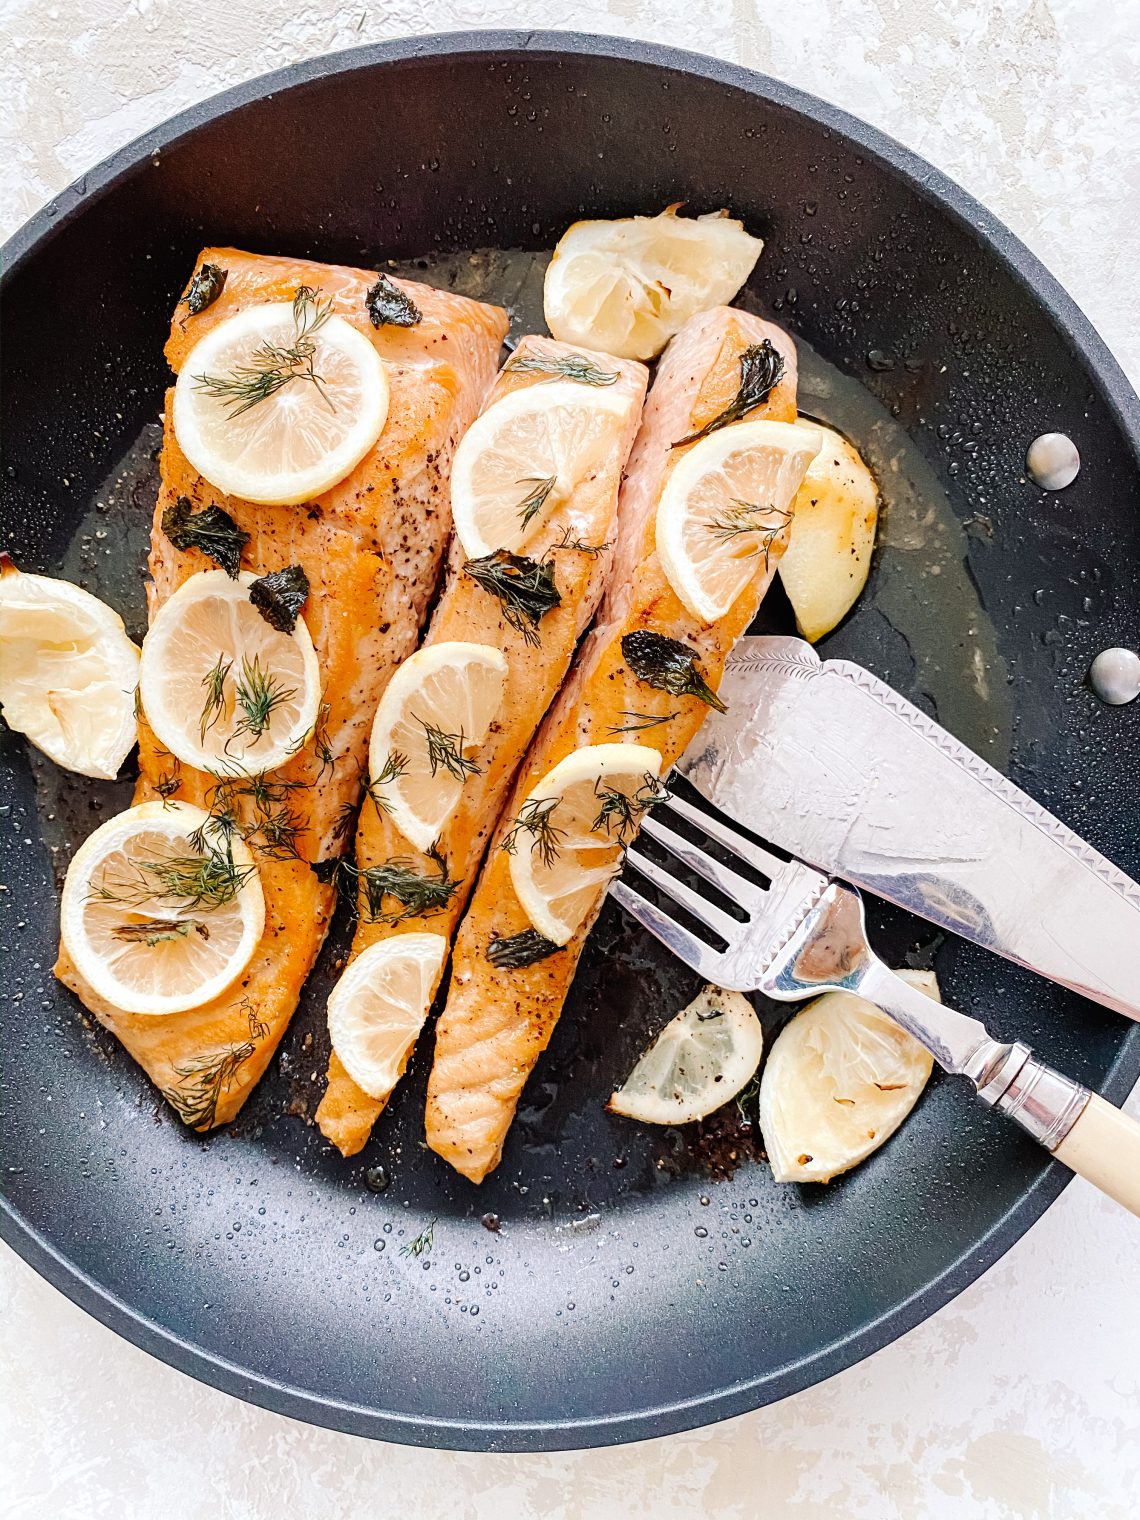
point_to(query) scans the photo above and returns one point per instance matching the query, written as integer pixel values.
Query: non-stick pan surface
(624, 1293)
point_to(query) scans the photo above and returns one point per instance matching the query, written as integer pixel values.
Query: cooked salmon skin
(496, 1023)
(577, 539)
(372, 548)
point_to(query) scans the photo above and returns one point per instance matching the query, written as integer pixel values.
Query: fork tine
(685, 946)
(736, 887)
(704, 911)
(717, 827)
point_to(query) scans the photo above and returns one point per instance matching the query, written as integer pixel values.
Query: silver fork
(804, 934)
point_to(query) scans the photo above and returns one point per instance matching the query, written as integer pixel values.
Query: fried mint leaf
(388, 306)
(207, 285)
(211, 530)
(279, 597)
(761, 370)
(668, 665)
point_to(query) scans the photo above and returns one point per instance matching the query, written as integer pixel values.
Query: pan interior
(601, 1285)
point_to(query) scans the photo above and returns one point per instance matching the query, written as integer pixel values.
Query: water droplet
(491, 1222)
(378, 1245)
(700, 1232)
(376, 1179)
(465, 1277)
(878, 359)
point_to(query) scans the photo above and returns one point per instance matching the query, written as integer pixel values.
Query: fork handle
(1091, 1137)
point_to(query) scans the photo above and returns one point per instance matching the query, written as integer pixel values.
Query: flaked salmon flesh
(496, 1023)
(372, 548)
(578, 539)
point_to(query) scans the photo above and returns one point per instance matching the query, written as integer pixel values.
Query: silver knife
(826, 760)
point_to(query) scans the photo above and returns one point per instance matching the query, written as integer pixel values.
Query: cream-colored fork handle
(1103, 1147)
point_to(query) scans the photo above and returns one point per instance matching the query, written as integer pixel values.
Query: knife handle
(1103, 1147)
(1091, 1137)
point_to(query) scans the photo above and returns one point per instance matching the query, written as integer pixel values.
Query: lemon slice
(825, 565)
(68, 672)
(432, 719)
(378, 1007)
(627, 286)
(222, 688)
(725, 505)
(162, 909)
(701, 1059)
(524, 456)
(279, 402)
(566, 839)
(840, 1079)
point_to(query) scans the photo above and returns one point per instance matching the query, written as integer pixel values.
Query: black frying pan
(625, 1293)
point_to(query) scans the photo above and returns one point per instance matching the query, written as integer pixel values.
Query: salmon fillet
(496, 1023)
(535, 670)
(371, 547)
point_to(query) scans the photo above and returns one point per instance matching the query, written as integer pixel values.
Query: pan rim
(570, 1434)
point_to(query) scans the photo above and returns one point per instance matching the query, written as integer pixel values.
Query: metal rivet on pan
(1053, 461)
(1115, 676)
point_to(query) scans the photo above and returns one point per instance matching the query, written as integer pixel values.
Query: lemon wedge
(222, 688)
(378, 1007)
(567, 837)
(433, 717)
(826, 564)
(725, 505)
(701, 1059)
(279, 402)
(627, 286)
(162, 909)
(68, 672)
(524, 456)
(840, 1079)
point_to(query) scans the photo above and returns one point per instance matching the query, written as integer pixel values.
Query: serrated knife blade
(826, 760)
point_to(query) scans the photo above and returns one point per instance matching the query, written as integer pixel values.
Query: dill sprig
(525, 587)
(561, 367)
(418, 894)
(258, 695)
(668, 665)
(576, 545)
(535, 818)
(445, 751)
(535, 499)
(196, 1096)
(620, 813)
(275, 826)
(321, 746)
(272, 366)
(393, 768)
(208, 879)
(745, 518)
(761, 370)
(639, 721)
(422, 1243)
(214, 685)
(519, 950)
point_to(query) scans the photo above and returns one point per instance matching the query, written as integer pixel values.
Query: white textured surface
(1020, 1398)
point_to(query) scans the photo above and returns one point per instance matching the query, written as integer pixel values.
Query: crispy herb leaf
(761, 370)
(668, 665)
(279, 597)
(206, 286)
(520, 950)
(562, 366)
(211, 530)
(525, 587)
(388, 306)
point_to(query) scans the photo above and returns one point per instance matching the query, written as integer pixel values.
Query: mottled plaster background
(1020, 1399)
